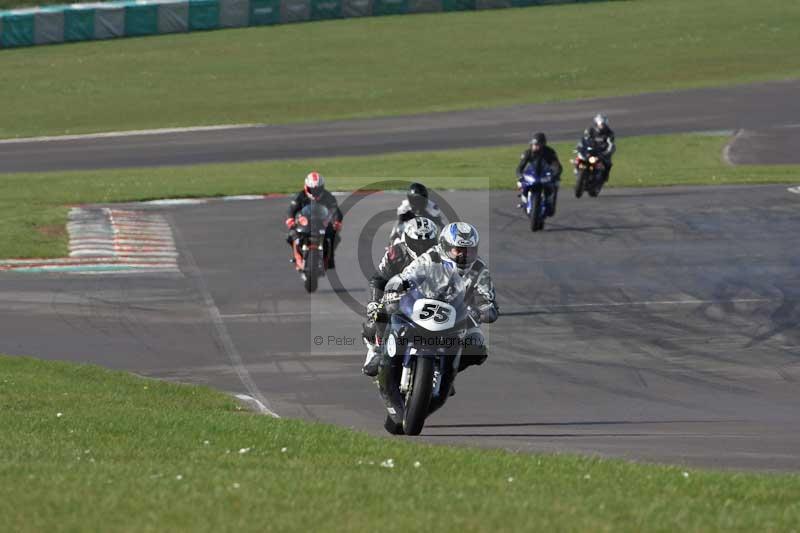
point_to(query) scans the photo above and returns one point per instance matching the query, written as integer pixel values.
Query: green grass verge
(397, 65)
(33, 212)
(129, 454)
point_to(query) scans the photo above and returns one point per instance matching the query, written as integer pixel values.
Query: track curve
(657, 325)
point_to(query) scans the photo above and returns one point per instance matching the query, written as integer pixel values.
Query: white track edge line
(131, 133)
(260, 406)
(219, 325)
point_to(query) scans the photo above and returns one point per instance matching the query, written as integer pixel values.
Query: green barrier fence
(133, 18)
(389, 7)
(326, 9)
(17, 30)
(458, 5)
(141, 19)
(79, 25)
(264, 12)
(203, 15)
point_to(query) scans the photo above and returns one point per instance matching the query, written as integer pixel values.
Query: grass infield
(33, 206)
(87, 449)
(396, 65)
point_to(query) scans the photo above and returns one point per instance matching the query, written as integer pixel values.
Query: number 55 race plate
(433, 315)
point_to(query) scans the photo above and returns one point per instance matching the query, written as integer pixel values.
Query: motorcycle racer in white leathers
(458, 244)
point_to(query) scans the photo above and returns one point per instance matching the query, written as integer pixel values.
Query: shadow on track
(575, 423)
(543, 435)
(587, 424)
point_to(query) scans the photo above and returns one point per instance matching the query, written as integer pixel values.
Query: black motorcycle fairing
(313, 220)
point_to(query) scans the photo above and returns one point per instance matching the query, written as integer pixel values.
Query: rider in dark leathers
(540, 156)
(419, 234)
(601, 135)
(416, 204)
(314, 190)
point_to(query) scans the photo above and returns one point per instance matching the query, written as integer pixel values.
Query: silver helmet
(459, 242)
(600, 121)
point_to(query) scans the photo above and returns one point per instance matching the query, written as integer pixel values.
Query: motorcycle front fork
(407, 378)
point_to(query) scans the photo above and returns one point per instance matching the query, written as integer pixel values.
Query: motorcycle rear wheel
(418, 404)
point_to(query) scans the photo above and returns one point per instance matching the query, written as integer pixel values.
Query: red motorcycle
(310, 252)
(589, 169)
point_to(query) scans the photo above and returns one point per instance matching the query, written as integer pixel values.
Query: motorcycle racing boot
(372, 361)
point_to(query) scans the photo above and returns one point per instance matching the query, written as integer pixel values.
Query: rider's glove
(289, 222)
(372, 310)
(337, 225)
(475, 314)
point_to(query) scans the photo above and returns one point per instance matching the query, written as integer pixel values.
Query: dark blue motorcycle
(422, 347)
(539, 191)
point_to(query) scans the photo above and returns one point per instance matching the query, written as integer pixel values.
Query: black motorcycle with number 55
(310, 253)
(422, 346)
(589, 168)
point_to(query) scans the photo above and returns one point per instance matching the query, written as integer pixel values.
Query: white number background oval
(433, 315)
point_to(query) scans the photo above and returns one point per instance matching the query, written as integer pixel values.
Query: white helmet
(314, 185)
(459, 242)
(419, 234)
(600, 120)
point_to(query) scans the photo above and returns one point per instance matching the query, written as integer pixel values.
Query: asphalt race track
(769, 146)
(756, 106)
(658, 325)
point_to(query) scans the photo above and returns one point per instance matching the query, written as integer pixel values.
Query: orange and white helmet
(314, 185)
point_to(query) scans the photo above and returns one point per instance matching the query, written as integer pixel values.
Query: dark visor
(463, 255)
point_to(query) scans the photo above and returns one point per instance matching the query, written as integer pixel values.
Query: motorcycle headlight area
(391, 345)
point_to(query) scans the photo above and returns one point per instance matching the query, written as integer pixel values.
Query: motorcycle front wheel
(421, 391)
(580, 183)
(597, 184)
(537, 213)
(311, 274)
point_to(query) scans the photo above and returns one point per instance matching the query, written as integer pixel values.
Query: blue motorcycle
(422, 346)
(538, 196)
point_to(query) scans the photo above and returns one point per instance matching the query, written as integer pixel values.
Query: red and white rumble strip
(106, 240)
